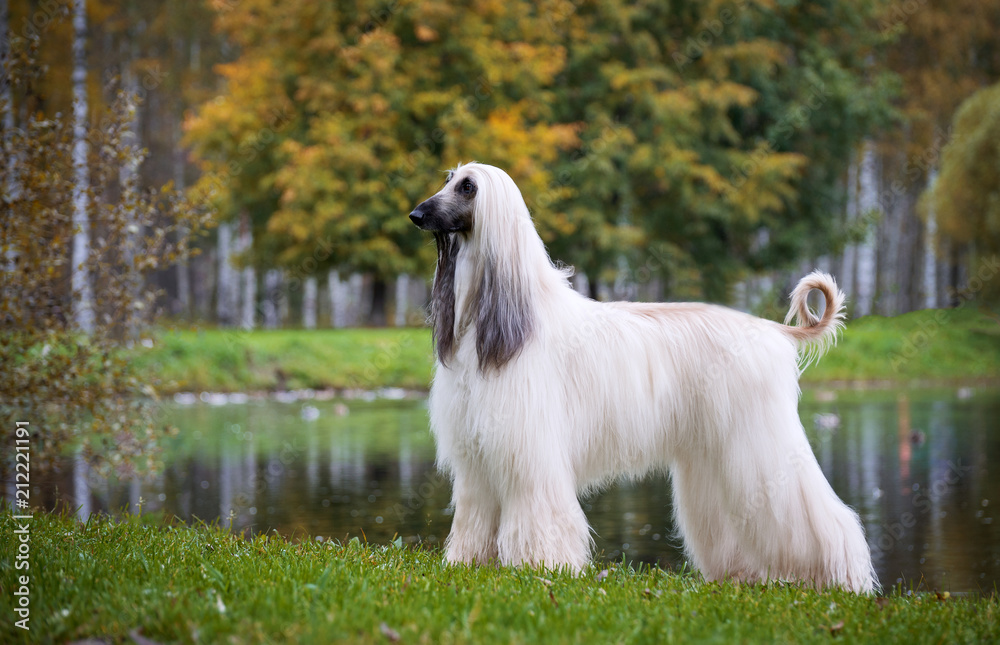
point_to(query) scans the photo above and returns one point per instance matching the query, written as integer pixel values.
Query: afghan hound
(541, 394)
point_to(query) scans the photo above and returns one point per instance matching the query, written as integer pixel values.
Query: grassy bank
(944, 346)
(233, 360)
(109, 579)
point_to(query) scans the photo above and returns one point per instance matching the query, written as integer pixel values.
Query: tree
(944, 51)
(83, 295)
(718, 130)
(709, 137)
(78, 387)
(966, 196)
(333, 124)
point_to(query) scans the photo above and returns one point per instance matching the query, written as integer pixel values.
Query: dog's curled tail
(815, 335)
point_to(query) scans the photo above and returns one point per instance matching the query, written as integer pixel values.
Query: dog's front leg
(541, 523)
(473, 536)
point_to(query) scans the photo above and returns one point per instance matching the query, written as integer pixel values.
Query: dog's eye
(467, 188)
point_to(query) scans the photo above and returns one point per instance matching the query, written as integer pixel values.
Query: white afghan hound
(541, 394)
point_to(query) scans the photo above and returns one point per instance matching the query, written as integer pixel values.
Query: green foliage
(110, 579)
(743, 117)
(966, 197)
(77, 390)
(686, 130)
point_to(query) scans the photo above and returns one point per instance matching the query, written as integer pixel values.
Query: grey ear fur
(504, 319)
(443, 296)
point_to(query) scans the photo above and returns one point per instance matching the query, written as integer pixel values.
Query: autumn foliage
(679, 131)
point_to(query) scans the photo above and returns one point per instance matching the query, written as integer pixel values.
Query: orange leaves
(425, 34)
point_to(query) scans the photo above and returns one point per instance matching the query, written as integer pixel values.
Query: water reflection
(916, 466)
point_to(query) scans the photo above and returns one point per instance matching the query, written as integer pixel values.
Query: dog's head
(451, 209)
(480, 211)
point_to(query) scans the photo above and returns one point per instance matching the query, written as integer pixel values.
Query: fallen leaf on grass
(389, 632)
(140, 639)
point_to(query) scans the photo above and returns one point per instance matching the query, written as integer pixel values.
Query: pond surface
(917, 465)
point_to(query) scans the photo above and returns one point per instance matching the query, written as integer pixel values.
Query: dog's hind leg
(473, 536)
(757, 506)
(800, 529)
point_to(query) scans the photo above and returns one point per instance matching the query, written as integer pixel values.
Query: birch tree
(309, 293)
(402, 300)
(83, 295)
(84, 395)
(226, 280)
(248, 276)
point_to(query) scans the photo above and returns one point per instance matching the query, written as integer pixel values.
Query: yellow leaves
(425, 34)
(724, 94)
(762, 181)
(542, 62)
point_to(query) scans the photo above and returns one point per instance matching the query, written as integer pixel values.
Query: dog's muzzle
(417, 216)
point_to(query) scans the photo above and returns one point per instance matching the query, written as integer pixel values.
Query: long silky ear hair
(504, 235)
(443, 296)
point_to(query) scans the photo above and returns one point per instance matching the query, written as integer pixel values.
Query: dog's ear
(443, 296)
(503, 315)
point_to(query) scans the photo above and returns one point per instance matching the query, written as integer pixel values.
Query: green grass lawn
(235, 360)
(108, 579)
(942, 346)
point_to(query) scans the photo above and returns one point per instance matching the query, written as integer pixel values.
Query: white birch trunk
(83, 294)
(865, 254)
(225, 294)
(930, 255)
(309, 303)
(356, 296)
(346, 297)
(272, 295)
(402, 299)
(336, 290)
(284, 313)
(248, 277)
(81, 486)
(203, 283)
(847, 264)
(183, 306)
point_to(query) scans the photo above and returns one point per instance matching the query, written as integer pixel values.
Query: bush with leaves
(79, 391)
(966, 198)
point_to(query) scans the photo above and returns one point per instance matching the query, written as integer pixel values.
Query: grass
(939, 345)
(944, 346)
(113, 578)
(234, 360)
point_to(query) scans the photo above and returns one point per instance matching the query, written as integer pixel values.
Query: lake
(916, 464)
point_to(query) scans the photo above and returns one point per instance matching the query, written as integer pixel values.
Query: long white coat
(541, 394)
